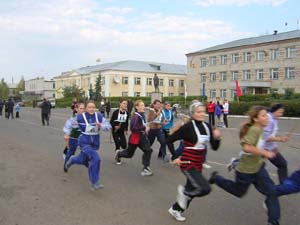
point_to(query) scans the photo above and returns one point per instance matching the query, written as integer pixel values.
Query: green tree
(71, 91)
(4, 91)
(98, 88)
(20, 87)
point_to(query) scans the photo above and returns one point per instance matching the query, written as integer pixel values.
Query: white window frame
(223, 93)
(212, 77)
(149, 81)
(260, 55)
(203, 77)
(203, 62)
(234, 75)
(223, 59)
(274, 54)
(247, 56)
(124, 80)
(137, 94)
(289, 73)
(213, 60)
(124, 93)
(290, 52)
(247, 74)
(213, 93)
(137, 81)
(171, 83)
(181, 83)
(274, 73)
(171, 94)
(161, 82)
(259, 74)
(232, 93)
(223, 76)
(235, 58)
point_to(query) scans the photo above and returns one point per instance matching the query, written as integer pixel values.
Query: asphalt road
(34, 190)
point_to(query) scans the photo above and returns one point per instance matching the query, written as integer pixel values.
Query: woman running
(90, 123)
(251, 166)
(138, 138)
(196, 134)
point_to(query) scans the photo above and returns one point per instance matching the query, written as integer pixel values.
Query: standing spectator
(46, 110)
(129, 107)
(18, 109)
(102, 107)
(225, 112)
(9, 107)
(1, 107)
(219, 112)
(211, 112)
(74, 106)
(107, 108)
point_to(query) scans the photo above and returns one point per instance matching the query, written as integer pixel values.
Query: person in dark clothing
(119, 123)
(107, 108)
(129, 107)
(9, 107)
(196, 134)
(1, 107)
(46, 110)
(74, 106)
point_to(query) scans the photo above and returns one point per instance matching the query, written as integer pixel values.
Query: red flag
(238, 89)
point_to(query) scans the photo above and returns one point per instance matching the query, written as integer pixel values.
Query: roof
(252, 41)
(132, 65)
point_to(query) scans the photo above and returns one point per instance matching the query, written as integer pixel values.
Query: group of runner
(258, 137)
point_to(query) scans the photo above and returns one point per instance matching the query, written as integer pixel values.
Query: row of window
(148, 94)
(149, 81)
(290, 52)
(247, 75)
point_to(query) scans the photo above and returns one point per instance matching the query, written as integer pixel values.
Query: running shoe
(96, 186)
(176, 214)
(146, 172)
(117, 158)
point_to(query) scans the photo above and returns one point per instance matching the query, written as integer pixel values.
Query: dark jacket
(46, 107)
(9, 106)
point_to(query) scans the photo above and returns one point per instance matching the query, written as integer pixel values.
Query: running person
(196, 134)
(90, 123)
(119, 123)
(138, 138)
(72, 132)
(251, 166)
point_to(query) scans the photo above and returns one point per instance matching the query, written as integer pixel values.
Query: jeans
(262, 182)
(281, 164)
(211, 117)
(158, 133)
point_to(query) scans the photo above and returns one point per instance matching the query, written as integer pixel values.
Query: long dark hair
(253, 114)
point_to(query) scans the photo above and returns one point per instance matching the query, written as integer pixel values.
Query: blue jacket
(168, 115)
(291, 184)
(91, 140)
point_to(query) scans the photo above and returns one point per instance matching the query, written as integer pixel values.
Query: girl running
(196, 134)
(138, 138)
(251, 166)
(90, 123)
(119, 123)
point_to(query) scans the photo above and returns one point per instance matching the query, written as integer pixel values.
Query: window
(171, 94)
(181, 94)
(124, 93)
(137, 81)
(213, 60)
(148, 94)
(232, 93)
(161, 82)
(53, 95)
(149, 81)
(213, 77)
(247, 56)
(223, 59)
(274, 54)
(247, 75)
(290, 52)
(235, 75)
(53, 85)
(259, 74)
(289, 73)
(235, 58)
(137, 94)
(223, 76)
(124, 80)
(213, 93)
(203, 62)
(171, 83)
(223, 93)
(203, 77)
(260, 55)
(181, 83)
(274, 74)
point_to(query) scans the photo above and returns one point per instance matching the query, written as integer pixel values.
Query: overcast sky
(47, 37)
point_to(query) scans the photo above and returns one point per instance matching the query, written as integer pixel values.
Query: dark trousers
(196, 186)
(1, 109)
(262, 182)
(158, 133)
(280, 162)
(144, 145)
(17, 115)
(211, 118)
(119, 139)
(10, 113)
(170, 145)
(45, 117)
(225, 120)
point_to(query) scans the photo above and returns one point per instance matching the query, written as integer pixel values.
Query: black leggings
(119, 139)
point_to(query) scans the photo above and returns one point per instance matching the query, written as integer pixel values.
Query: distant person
(46, 110)
(219, 112)
(225, 112)
(18, 109)
(74, 106)
(9, 106)
(107, 108)
(129, 107)
(1, 107)
(102, 107)
(211, 112)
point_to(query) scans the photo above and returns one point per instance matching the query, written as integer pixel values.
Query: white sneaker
(96, 186)
(146, 172)
(182, 199)
(176, 214)
(117, 159)
(233, 163)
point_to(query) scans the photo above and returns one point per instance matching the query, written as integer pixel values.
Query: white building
(39, 88)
